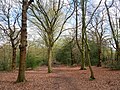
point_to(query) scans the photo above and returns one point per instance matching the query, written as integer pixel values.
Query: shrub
(115, 65)
(63, 56)
(93, 53)
(32, 62)
(4, 65)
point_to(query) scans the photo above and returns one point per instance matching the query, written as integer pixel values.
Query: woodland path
(62, 78)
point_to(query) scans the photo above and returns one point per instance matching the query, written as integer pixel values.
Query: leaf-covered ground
(62, 78)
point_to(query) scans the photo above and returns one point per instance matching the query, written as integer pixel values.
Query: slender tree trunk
(111, 55)
(83, 58)
(88, 57)
(113, 33)
(71, 52)
(117, 53)
(23, 44)
(89, 62)
(77, 41)
(99, 56)
(13, 58)
(83, 35)
(49, 59)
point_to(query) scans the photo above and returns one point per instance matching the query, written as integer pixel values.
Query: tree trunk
(49, 59)
(113, 33)
(77, 41)
(13, 58)
(83, 60)
(71, 54)
(117, 54)
(89, 62)
(21, 74)
(88, 57)
(99, 57)
(83, 36)
(72, 59)
(23, 44)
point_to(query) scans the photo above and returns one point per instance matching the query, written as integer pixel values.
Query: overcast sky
(97, 1)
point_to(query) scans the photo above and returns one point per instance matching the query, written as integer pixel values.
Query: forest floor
(62, 78)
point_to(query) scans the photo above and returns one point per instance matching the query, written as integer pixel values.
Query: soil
(62, 78)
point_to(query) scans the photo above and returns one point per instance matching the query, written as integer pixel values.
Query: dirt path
(62, 78)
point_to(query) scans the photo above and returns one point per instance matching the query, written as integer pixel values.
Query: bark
(50, 59)
(50, 45)
(83, 35)
(21, 74)
(14, 50)
(89, 62)
(88, 57)
(23, 44)
(13, 58)
(83, 59)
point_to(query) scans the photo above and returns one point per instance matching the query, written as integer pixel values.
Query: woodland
(59, 44)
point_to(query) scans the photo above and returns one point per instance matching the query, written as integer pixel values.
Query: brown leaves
(62, 78)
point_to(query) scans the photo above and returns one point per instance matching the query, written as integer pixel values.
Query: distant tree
(114, 25)
(65, 53)
(84, 24)
(84, 38)
(50, 20)
(99, 33)
(5, 56)
(76, 29)
(9, 24)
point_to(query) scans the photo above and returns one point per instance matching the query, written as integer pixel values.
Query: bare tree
(50, 20)
(8, 25)
(85, 24)
(23, 41)
(114, 26)
(84, 37)
(99, 32)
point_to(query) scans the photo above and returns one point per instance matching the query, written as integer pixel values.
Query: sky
(95, 2)
(31, 30)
